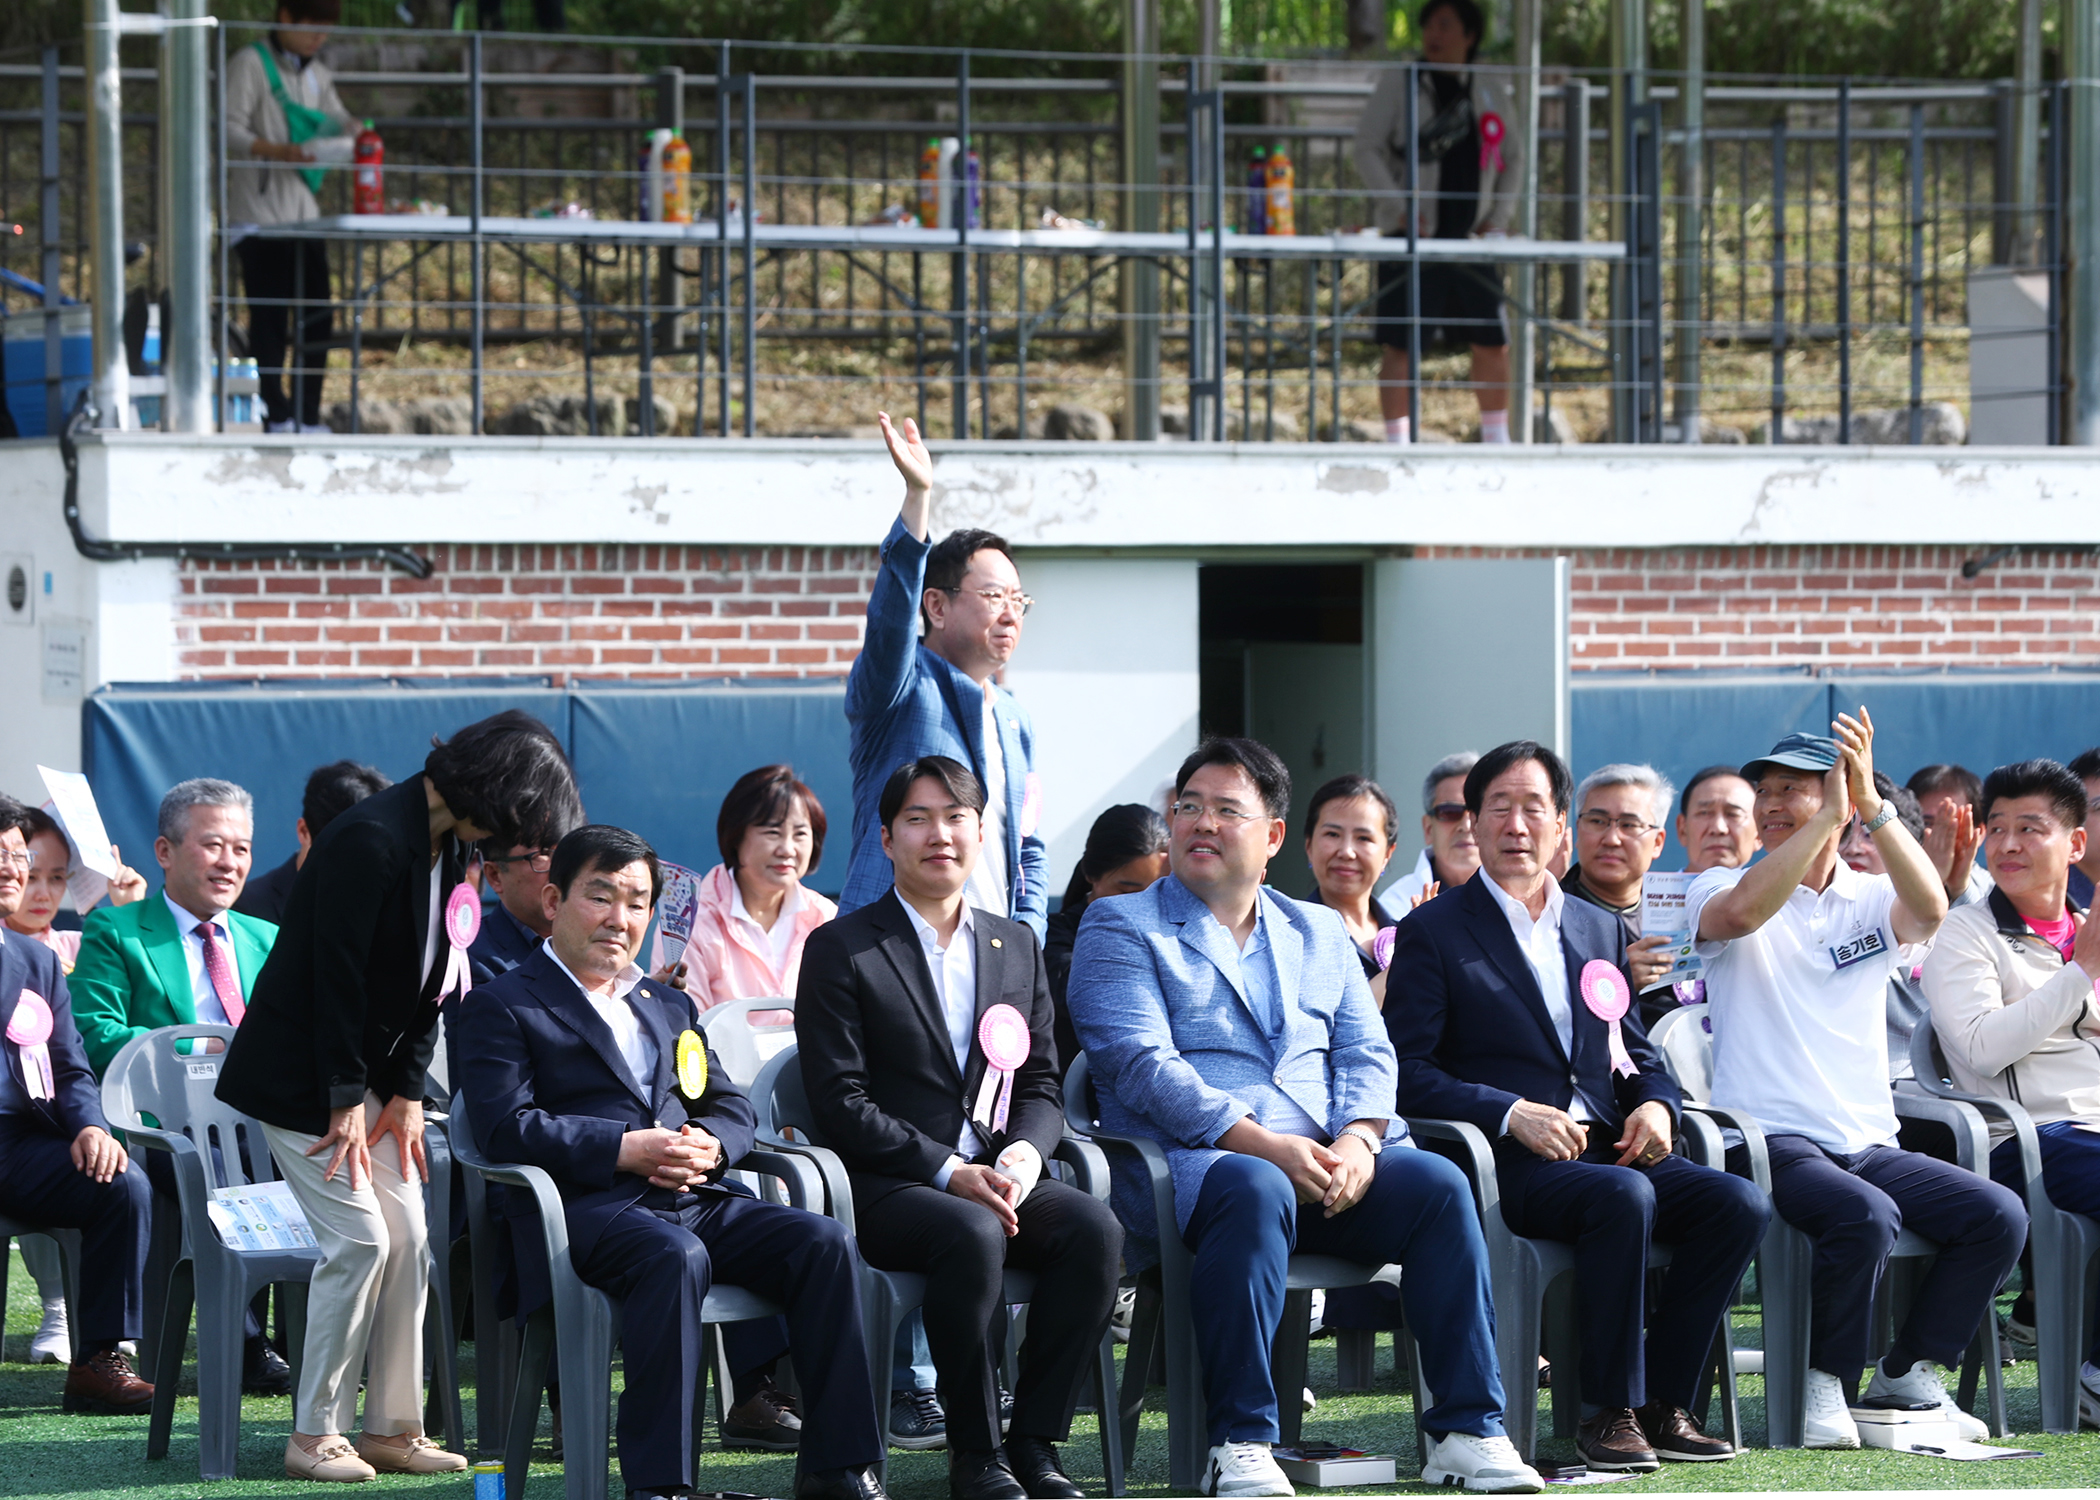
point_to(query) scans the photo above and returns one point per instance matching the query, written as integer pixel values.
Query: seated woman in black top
(1126, 850)
(1351, 826)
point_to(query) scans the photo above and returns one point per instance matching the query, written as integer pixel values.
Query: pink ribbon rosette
(1382, 947)
(1492, 131)
(462, 926)
(30, 1029)
(1609, 997)
(1002, 1033)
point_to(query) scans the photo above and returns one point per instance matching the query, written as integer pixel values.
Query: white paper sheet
(260, 1216)
(72, 805)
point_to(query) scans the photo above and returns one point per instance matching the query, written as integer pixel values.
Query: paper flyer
(1663, 914)
(675, 914)
(72, 805)
(260, 1216)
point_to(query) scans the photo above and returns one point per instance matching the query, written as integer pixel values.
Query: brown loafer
(331, 1463)
(1613, 1440)
(104, 1385)
(1676, 1438)
(421, 1456)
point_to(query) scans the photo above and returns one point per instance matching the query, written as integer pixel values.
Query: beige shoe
(421, 1456)
(333, 1463)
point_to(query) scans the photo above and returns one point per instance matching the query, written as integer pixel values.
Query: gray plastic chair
(2065, 1246)
(211, 1145)
(67, 1243)
(1168, 1314)
(737, 1043)
(886, 1297)
(575, 1333)
(441, 1407)
(1785, 1259)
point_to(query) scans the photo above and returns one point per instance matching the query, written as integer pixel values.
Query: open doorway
(1283, 662)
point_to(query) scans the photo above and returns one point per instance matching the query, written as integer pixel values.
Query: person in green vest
(179, 957)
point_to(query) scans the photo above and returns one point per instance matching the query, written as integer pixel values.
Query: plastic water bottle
(1257, 192)
(150, 354)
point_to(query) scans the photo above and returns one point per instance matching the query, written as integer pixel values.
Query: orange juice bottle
(1283, 216)
(930, 184)
(677, 181)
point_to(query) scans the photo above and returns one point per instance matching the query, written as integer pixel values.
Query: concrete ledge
(1123, 495)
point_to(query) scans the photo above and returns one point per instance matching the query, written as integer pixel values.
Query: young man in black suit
(896, 1008)
(59, 1165)
(1488, 1016)
(578, 1062)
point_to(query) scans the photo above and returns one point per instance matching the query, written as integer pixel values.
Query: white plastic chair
(743, 1048)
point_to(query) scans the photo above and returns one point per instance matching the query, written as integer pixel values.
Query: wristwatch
(1885, 816)
(1364, 1134)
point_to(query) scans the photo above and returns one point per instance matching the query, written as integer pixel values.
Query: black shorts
(1461, 304)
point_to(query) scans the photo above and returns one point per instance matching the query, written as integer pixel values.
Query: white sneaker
(1307, 1400)
(1244, 1469)
(2089, 1394)
(1829, 1423)
(52, 1344)
(1484, 1465)
(1920, 1389)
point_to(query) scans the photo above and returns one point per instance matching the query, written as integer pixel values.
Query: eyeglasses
(1629, 825)
(1227, 813)
(539, 861)
(21, 859)
(1449, 812)
(1000, 599)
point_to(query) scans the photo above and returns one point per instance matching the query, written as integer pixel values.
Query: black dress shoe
(264, 1372)
(1033, 1461)
(917, 1422)
(1677, 1438)
(982, 1476)
(839, 1484)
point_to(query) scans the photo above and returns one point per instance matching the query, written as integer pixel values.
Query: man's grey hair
(199, 791)
(1444, 770)
(1662, 795)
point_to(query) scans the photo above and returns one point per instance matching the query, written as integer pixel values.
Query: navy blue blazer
(27, 964)
(503, 943)
(1470, 1026)
(546, 1088)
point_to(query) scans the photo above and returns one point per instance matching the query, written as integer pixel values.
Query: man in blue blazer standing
(579, 1063)
(1489, 1016)
(1234, 1026)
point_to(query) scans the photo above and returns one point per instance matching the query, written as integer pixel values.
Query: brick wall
(574, 611)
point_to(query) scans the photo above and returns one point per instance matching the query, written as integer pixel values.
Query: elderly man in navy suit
(579, 1063)
(1488, 1014)
(1233, 1025)
(59, 1165)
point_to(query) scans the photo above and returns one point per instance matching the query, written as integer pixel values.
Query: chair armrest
(805, 1184)
(1089, 1164)
(831, 1174)
(1478, 1156)
(1152, 1160)
(1972, 1140)
(1753, 1139)
(554, 1224)
(1701, 1137)
(2012, 1114)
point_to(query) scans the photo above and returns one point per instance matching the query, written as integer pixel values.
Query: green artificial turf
(46, 1454)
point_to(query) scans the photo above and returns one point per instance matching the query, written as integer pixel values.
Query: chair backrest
(1079, 1097)
(778, 1098)
(1928, 1065)
(1687, 1049)
(151, 1083)
(747, 1034)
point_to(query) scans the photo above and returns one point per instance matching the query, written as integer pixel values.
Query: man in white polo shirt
(1799, 949)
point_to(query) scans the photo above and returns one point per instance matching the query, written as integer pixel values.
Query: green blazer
(132, 978)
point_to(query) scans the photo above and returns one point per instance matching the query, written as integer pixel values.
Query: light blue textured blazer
(1176, 1051)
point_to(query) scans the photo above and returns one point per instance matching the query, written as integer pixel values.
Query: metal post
(222, 305)
(2026, 131)
(722, 82)
(1629, 89)
(2052, 258)
(110, 382)
(1691, 225)
(1917, 274)
(1414, 265)
(1217, 262)
(959, 262)
(750, 336)
(186, 228)
(1779, 280)
(1844, 258)
(1137, 292)
(477, 252)
(1575, 207)
(670, 291)
(47, 211)
(2082, 249)
(1525, 336)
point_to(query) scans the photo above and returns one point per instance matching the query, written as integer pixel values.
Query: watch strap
(1885, 816)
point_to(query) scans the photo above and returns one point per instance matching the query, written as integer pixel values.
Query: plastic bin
(22, 337)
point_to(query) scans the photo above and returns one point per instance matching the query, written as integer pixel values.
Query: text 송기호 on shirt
(259, 1216)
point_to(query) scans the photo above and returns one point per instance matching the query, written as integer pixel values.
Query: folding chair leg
(1415, 1383)
(167, 1363)
(534, 1361)
(220, 1340)
(1147, 1338)
(1287, 1365)
(1105, 1405)
(1356, 1359)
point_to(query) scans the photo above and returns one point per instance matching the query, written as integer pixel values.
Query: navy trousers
(2070, 1172)
(39, 1182)
(1712, 1223)
(1418, 1214)
(1853, 1207)
(659, 1256)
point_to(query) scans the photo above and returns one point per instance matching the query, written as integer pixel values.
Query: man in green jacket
(180, 957)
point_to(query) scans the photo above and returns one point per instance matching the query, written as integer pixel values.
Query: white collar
(789, 904)
(1515, 909)
(623, 982)
(187, 921)
(928, 938)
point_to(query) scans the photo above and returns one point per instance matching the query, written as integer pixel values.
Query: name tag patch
(203, 1070)
(1870, 945)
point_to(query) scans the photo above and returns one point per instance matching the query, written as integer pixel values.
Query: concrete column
(186, 227)
(110, 376)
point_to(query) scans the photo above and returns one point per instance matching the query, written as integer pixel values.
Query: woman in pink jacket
(755, 913)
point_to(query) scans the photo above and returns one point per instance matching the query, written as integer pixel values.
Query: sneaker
(1829, 1421)
(2015, 1339)
(1920, 1389)
(1126, 1310)
(917, 1422)
(52, 1344)
(2089, 1395)
(1484, 1465)
(1307, 1400)
(1243, 1469)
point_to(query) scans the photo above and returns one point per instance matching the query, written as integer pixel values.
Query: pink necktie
(221, 974)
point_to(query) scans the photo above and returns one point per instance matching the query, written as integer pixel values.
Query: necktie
(221, 973)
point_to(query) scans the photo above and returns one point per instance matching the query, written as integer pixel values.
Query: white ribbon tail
(1621, 1062)
(36, 1071)
(987, 1092)
(459, 975)
(1006, 1098)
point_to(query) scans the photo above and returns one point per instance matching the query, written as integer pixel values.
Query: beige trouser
(365, 1307)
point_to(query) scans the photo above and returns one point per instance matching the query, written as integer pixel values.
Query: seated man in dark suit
(59, 1165)
(897, 1006)
(513, 929)
(579, 1063)
(1492, 1015)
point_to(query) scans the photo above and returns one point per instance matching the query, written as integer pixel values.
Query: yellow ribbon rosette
(692, 1065)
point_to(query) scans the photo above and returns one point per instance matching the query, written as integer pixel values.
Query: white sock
(1494, 426)
(1396, 431)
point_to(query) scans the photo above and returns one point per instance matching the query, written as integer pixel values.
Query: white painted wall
(1108, 668)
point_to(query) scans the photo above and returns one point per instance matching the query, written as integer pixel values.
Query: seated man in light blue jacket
(1233, 1025)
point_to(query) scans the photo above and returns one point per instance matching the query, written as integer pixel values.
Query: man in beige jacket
(2011, 984)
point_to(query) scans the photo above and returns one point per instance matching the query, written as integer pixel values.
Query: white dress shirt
(637, 1047)
(1539, 942)
(202, 994)
(781, 936)
(954, 971)
(987, 885)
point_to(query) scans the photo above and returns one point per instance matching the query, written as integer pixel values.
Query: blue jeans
(1418, 1213)
(2070, 1172)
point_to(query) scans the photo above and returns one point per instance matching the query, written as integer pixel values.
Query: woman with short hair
(755, 913)
(1126, 850)
(1351, 826)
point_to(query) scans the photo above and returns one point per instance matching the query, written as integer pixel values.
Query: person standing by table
(332, 1058)
(280, 99)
